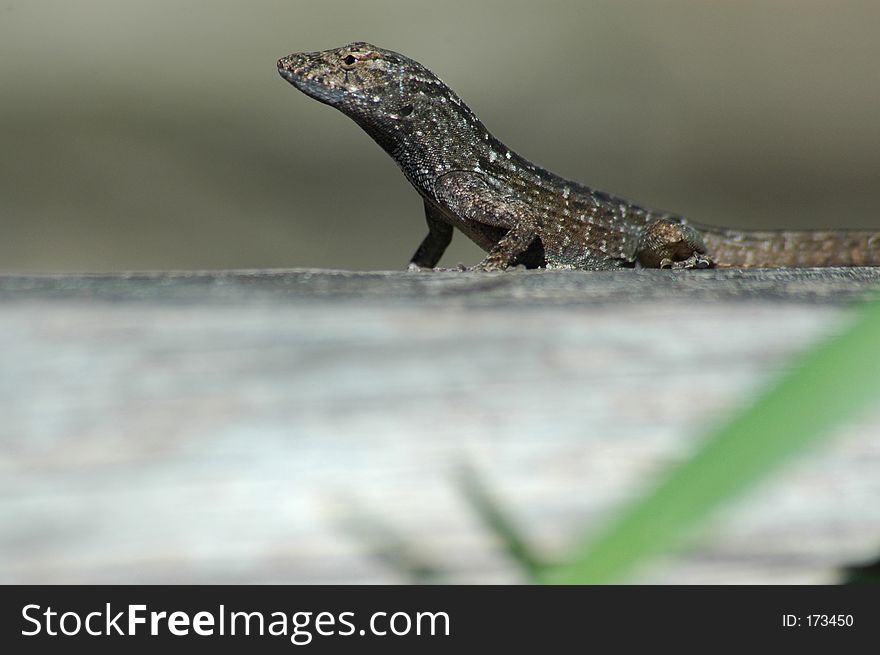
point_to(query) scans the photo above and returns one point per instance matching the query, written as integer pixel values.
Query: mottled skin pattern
(517, 212)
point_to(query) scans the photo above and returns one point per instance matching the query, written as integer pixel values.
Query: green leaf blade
(831, 384)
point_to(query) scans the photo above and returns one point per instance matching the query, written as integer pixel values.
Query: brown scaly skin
(517, 212)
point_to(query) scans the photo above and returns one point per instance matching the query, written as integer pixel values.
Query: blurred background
(158, 135)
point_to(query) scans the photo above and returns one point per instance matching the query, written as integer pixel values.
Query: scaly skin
(516, 211)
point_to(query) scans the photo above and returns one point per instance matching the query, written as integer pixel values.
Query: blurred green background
(158, 135)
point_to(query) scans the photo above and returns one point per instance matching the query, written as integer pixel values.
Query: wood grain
(307, 426)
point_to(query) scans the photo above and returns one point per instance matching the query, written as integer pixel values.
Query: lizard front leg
(473, 200)
(511, 246)
(433, 246)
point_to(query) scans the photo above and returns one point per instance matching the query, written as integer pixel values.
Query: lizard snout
(289, 68)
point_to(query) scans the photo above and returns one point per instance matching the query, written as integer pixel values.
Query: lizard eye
(349, 60)
(406, 110)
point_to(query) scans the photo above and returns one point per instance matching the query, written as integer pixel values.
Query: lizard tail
(796, 249)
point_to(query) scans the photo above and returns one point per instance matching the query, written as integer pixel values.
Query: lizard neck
(439, 134)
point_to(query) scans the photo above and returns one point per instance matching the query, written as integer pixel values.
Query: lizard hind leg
(433, 246)
(667, 244)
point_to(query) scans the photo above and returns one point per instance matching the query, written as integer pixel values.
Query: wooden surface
(307, 426)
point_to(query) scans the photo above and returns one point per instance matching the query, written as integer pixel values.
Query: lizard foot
(696, 260)
(667, 244)
(458, 268)
(490, 264)
(492, 267)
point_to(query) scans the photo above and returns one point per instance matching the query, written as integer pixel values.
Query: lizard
(517, 212)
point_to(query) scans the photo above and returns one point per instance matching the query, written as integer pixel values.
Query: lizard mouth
(288, 75)
(311, 81)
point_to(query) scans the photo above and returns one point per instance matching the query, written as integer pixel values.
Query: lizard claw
(696, 260)
(486, 267)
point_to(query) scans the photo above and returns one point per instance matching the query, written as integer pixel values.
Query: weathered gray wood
(247, 426)
(519, 287)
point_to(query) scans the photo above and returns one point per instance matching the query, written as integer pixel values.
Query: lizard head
(400, 103)
(360, 79)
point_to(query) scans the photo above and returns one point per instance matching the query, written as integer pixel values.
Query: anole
(516, 211)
